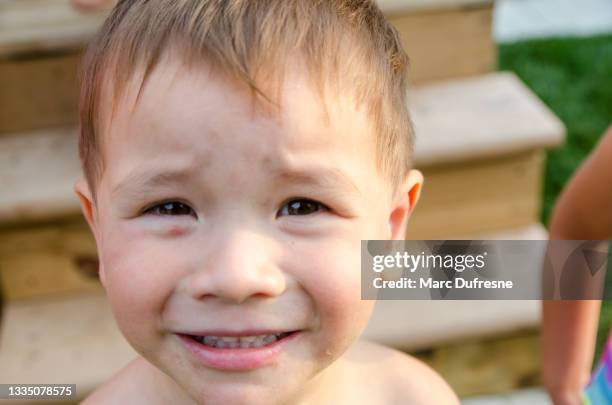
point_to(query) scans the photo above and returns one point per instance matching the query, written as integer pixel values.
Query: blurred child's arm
(583, 211)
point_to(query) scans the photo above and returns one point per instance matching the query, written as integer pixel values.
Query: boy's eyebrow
(143, 179)
(324, 177)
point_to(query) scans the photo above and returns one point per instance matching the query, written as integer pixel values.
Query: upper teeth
(239, 341)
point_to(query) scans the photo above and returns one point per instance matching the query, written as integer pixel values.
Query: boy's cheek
(332, 278)
(343, 324)
(138, 281)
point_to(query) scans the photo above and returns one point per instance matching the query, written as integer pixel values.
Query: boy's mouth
(239, 351)
(243, 342)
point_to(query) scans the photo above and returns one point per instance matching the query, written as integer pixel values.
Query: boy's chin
(255, 393)
(275, 384)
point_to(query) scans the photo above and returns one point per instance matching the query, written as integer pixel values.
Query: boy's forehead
(176, 103)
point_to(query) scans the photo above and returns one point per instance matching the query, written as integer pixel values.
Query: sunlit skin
(213, 214)
(569, 328)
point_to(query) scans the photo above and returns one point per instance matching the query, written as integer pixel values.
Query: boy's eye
(170, 208)
(301, 206)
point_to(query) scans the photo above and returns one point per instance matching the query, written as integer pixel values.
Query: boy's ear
(405, 200)
(81, 188)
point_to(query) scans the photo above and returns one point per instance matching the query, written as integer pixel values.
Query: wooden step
(39, 169)
(394, 324)
(489, 365)
(48, 260)
(478, 196)
(401, 324)
(480, 145)
(490, 117)
(73, 339)
(30, 27)
(480, 117)
(38, 92)
(395, 7)
(444, 38)
(40, 47)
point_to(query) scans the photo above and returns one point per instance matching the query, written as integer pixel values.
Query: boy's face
(215, 220)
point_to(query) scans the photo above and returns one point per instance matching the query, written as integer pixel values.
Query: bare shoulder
(126, 386)
(401, 378)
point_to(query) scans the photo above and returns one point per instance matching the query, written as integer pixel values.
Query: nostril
(260, 295)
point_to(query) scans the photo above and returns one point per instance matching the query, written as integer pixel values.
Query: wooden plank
(448, 43)
(480, 118)
(40, 170)
(38, 92)
(480, 196)
(58, 341)
(395, 7)
(31, 26)
(494, 365)
(48, 260)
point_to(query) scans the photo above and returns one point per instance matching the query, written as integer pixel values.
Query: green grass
(573, 76)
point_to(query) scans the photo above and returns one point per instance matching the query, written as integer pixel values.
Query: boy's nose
(237, 268)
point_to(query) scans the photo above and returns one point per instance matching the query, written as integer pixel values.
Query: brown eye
(171, 208)
(301, 206)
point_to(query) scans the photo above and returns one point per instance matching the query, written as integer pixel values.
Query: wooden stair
(40, 169)
(480, 145)
(28, 27)
(40, 46)
(444, 38)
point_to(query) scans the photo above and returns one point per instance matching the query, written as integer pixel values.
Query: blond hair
(339, 41)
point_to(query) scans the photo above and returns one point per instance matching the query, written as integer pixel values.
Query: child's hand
(565, 384)
(566, 397)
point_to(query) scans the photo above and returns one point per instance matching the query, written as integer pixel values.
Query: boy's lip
(237, 359)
